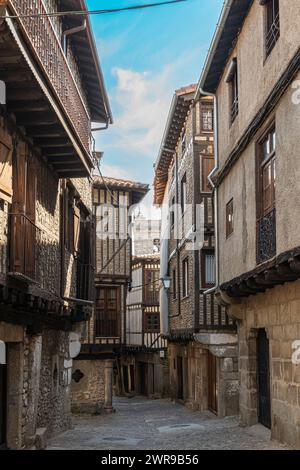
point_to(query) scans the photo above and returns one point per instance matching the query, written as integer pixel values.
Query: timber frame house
(106, 330)
(51, 88)
(199, 332)
(144, 361)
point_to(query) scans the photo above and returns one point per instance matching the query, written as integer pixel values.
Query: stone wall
(278, 312)
(88, 386)
(195, 376)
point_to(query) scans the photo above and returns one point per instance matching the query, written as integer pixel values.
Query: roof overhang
(181, 102)
(137, 190)
(228, 28)
(88, 62)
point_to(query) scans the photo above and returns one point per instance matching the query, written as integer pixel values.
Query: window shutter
(6, 151)
(5, 173)
(76, 228)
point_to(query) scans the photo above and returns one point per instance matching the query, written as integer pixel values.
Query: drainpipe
(70, 32)
(223, 17)
(215, 188)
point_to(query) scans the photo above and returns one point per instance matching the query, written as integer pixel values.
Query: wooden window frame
(172, 213)
(266, 215)
(204, 254)
(261, 163)
(206, 107)
(148, 315)
(185, 278)
(232, 79)
(174, 284)
(205, 184)
(229, 213)
(183, 194)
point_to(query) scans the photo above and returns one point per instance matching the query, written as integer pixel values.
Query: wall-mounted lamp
(166, 282)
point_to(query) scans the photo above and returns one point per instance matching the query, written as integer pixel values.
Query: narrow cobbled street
(160, 425)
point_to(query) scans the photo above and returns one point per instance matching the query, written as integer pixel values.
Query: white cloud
(142, 100)
(115, 171)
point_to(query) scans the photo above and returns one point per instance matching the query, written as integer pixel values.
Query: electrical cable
(91, 12)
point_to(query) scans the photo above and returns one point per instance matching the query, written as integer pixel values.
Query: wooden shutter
(207, 167)
(76, 228)
(17, 263)
(6, 189)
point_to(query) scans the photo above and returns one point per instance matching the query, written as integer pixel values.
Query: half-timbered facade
(144, 361)
(113, 202)
(201, 336)
(256, 46)
(51, 88)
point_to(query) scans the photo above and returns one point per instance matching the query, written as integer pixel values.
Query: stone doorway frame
(249, 412)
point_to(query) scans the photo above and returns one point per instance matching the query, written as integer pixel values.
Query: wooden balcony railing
(151, 296)
(85, 281)
(212, 315)
(106, 328)
(43, 39)
(24, 240)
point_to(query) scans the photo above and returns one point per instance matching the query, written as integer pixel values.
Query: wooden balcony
(53, 97)
(41, 36)
(212, 316)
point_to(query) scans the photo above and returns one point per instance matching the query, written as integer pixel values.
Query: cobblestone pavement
(160, 425)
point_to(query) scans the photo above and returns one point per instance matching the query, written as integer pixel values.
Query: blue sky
(145, 55)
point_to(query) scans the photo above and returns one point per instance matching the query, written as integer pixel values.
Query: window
(172, 215)
(152, 323)
(229, 218)
(183, 188)
(266, 197)
(156, 245)
(151, 286)
(207, 165)
(174, 284)
(208, 269)
(183, 142)
(70, 221)
(207, 118)
(272, 24)
(107, 313)
(268, 172)
(185, 277)
(232, 80)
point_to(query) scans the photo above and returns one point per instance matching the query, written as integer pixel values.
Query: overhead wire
(92, 12)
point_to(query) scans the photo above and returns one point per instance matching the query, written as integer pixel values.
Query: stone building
(49, 96)
(253, 69)
(202, 342)
(144, 360)
(145, 235)
(96, 371)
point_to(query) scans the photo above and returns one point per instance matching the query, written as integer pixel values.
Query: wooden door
(180, 385)
(263, 379)
(108, 313)
(212, 383)
(3, 388)
(144, 378)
